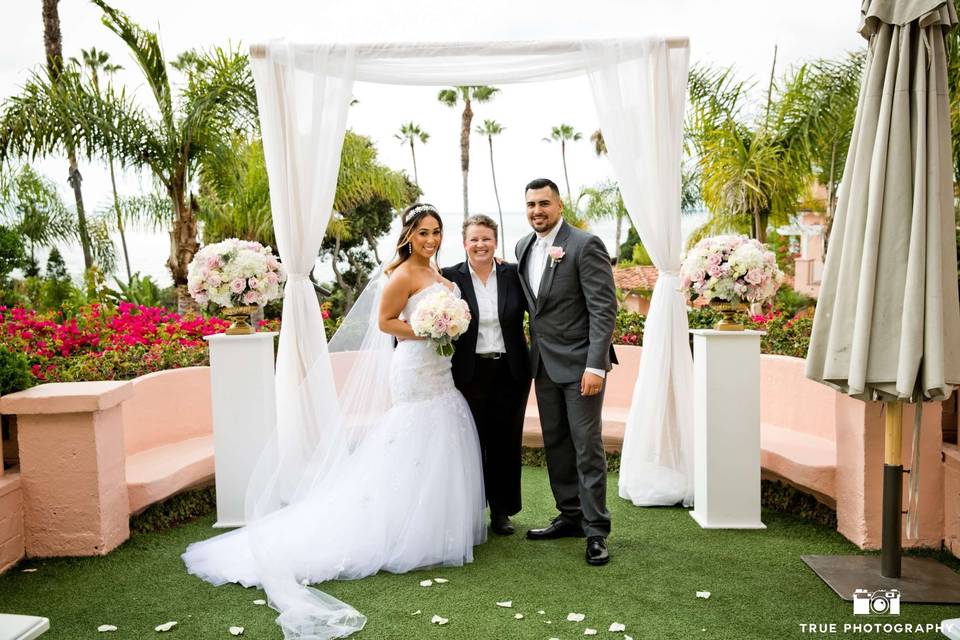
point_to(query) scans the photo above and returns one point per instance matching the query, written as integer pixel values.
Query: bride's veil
(360, 355)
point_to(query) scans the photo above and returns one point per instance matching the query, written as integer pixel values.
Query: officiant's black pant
(497, 403)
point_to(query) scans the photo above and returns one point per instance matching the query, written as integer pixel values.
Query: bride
(396, 492)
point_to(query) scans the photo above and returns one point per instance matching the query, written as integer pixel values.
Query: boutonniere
(556, 255)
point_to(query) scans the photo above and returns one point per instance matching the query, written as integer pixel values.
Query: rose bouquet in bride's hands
(441, 317)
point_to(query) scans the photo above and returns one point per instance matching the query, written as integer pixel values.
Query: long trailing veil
(277, 482)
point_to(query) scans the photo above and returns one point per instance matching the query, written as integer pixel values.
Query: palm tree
(752, 171)
(30, 205)
(53, 46)
(218, 99)
(95, 63)
(599, 144)
(410, 133)
(564, 134)
(466, 94)
(489, 129)
(601, 201)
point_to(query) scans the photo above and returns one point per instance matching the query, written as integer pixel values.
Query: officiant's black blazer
(511, 305)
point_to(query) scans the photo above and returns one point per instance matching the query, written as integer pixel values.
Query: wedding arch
(639, 88)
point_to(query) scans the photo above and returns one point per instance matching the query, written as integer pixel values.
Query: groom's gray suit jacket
(573, 315)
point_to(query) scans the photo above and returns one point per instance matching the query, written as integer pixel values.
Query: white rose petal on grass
(438, 620)
(236, 631)
(575, 617)
(541, 612)
(617, 627)
(29, 571)
(703, 594)
(259, 602)
(426, 583)
(506, 604)
(106, 627)
(626, 637)
(518, 616)
(441, 580)
(166, 626)
(589, 632)
(416, 613)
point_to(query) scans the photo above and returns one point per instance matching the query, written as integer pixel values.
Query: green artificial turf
(660, 559)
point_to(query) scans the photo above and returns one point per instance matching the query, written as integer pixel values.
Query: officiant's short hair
(480, 220)
(540, 183)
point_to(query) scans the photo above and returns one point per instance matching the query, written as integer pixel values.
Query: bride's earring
(410, 248)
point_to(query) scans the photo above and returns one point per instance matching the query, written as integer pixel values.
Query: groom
(566, 276)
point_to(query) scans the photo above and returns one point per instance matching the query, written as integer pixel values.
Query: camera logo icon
(884, 602)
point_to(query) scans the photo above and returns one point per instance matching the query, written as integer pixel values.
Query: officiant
(490, 364)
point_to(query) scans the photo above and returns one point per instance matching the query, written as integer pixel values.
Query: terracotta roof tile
(634, 278)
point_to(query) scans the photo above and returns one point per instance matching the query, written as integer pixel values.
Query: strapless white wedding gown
(410, 496)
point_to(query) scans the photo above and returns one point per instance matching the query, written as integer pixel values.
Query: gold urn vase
(729, 311)
(239, 318)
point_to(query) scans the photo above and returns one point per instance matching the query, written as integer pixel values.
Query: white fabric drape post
(303, 98)
(640, 89)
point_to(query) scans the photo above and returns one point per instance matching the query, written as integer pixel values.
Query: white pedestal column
(726, 383)
(244, 415)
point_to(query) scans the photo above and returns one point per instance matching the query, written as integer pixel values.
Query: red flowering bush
(786, 335)
(104, 342)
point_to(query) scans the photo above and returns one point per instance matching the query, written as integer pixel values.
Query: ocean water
(149, 251)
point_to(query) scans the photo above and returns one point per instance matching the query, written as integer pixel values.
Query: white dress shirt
(489, 333)
(537, 266)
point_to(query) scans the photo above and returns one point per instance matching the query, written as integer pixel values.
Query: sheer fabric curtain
(303, 96)
(640, 89)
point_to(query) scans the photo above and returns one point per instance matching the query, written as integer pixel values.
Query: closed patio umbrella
(887, 325)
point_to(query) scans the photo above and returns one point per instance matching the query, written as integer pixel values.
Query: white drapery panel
(640, 91)
(303, 112)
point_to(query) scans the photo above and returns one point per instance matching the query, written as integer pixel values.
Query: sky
(738, 33)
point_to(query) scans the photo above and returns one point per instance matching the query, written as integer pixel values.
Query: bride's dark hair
(410, 219)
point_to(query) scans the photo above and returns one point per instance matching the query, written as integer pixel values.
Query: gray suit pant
(575, 458)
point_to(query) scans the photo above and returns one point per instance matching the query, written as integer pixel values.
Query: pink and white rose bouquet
(235, 273)
(730, 268)
(441, 317)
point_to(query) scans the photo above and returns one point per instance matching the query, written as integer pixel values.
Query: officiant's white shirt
(489, 333)
(537, 266)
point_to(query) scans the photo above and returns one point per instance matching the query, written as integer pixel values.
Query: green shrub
(15, 374)
(629, 328)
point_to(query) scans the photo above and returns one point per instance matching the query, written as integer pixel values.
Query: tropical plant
(599, 143)
(467, 95)
(30, 205)
(367, 198)
(603, 202)
(234, 194)
(409, 134)
(59, 127)
(141, 291)
(563, 134)
(489, 129)
(753, 170)
(95, 63)
(218, 99)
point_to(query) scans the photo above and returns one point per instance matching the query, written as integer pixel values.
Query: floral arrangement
(234, 273)
(441, 318)
(730, 268)
(105, 343)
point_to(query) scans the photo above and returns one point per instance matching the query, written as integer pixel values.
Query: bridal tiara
(423, 208)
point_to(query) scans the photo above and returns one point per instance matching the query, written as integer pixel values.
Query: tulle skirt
(410, 496)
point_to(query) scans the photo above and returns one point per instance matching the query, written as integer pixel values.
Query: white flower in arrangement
(441, 318)
(235, 273)
(730, 268)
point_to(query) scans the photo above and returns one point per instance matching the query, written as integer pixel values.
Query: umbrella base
(922, 580)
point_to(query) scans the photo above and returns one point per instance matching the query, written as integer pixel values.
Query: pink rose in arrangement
(238, 285)
(556, 254)
(730, 269)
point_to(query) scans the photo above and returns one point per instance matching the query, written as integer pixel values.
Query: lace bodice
(419, 372)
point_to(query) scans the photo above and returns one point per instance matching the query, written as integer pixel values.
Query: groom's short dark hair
(540, 183)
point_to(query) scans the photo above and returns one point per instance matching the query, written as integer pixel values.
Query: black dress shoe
(597, 553)
(501, 525)
(559, 528)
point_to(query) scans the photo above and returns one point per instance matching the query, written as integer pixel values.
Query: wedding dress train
(409, 496)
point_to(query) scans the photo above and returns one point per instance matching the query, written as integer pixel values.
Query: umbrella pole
(890, 546)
